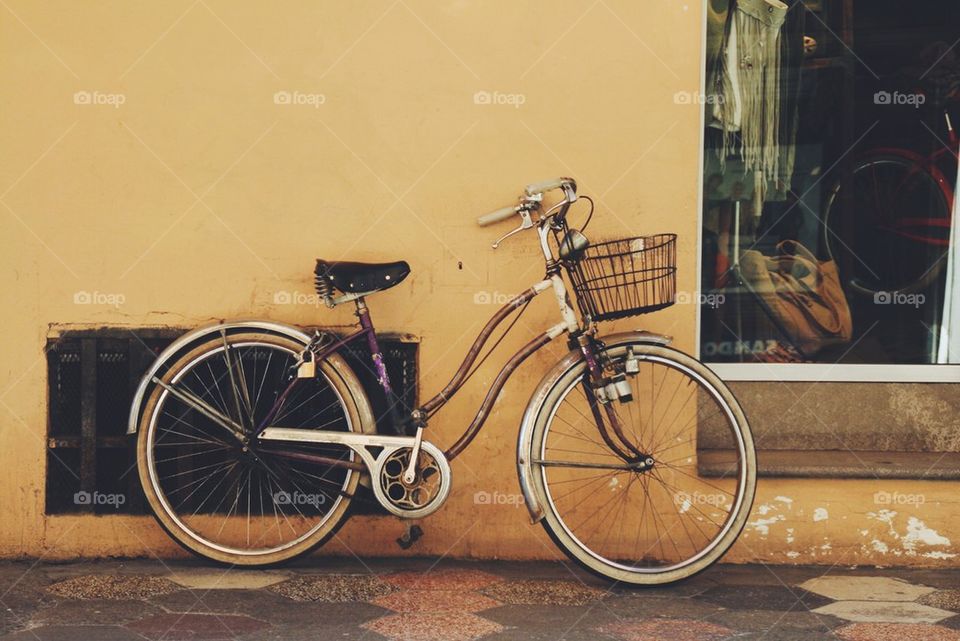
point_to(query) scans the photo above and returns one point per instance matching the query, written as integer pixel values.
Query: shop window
(829, 253)
(829, 246)
(92, 378)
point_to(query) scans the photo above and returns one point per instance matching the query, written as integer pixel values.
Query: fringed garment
(747, 106)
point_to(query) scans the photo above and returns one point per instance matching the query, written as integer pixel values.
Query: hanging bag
(803, 295)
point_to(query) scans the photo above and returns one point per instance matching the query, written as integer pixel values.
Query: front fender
(194, 336)
(539, 396)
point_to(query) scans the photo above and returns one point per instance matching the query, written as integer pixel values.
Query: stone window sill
(842, 464)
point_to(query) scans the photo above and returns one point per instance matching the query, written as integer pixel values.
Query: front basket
(626, 277)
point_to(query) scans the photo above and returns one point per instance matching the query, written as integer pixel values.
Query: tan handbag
(802, 294)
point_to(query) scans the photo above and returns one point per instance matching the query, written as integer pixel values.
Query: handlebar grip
(547, 185)
(496, 216)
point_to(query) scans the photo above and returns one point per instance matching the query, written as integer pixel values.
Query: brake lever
(526, 224)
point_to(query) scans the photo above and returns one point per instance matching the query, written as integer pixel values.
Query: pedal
(410, 536)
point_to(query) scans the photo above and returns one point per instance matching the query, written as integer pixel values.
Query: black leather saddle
(358, 278)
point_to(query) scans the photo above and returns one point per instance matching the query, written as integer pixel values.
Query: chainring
(429, 489)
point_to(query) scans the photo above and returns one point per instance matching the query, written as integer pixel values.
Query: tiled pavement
(422, 600)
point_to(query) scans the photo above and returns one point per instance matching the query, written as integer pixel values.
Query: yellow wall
(200, 198)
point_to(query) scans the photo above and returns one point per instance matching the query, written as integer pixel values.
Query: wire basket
(626, 277)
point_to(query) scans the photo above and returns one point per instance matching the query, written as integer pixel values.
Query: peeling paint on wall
(918, 532)
(763, 525)
(912, 542)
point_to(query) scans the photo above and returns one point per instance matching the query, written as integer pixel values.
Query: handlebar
(547, 185)
(532, 192)
(497, 216)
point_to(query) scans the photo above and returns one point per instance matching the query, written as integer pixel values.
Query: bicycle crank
(399, 493)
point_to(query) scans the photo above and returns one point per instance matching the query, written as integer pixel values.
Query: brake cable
(590, 214)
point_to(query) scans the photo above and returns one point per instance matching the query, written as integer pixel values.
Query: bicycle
(906, 199)
(255, 437)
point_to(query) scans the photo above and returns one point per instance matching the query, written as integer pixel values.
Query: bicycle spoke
(212, 439)
(189, 454)
(581, 489)
(266, 370)
(675, 491)
(697, 478)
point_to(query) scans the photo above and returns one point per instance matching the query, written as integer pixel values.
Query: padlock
(308, 366)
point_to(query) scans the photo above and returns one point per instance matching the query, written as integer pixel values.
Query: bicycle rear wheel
(249, 503)
(653, 526)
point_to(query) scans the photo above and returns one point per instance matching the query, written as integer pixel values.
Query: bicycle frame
(595, 386)
(367, 330)
(940, 164)
(930, 165)
(569, 324)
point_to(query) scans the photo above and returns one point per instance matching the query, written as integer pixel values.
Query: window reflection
(829, 171)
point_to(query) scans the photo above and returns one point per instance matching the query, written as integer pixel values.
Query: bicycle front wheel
(667, 496)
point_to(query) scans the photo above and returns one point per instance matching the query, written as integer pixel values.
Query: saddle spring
(323, 285)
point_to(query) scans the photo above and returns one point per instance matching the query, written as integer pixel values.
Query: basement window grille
(92, 376)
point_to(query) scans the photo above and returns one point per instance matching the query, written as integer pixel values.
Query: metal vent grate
(92, 377)
(400, 357)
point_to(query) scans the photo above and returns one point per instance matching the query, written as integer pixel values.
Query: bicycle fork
(601, 392)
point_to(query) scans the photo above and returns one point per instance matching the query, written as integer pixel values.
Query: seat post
(379, 366)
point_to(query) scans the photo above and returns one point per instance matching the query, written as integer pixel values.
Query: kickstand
(412, 532)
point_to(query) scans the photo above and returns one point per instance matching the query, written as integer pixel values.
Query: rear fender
(187, 341)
